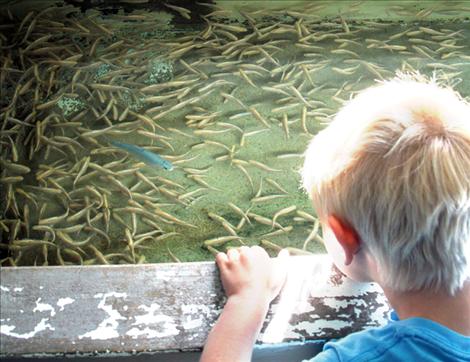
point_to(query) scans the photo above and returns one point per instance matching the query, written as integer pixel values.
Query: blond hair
(395, 164)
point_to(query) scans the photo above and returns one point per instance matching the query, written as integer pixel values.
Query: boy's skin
(251, 281)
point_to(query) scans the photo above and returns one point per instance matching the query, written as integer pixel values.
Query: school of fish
(124, 140)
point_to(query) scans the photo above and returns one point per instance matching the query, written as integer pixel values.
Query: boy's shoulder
(413, 339)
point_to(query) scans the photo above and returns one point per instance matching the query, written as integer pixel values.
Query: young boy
(390, 181)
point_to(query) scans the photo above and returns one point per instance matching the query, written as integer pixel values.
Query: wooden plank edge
(131, 309)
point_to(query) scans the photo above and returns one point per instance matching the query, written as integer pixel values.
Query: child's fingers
(243, 249)
(245, 254)
(221, 259)
(233, 254)
(222, 262)
(259, 250)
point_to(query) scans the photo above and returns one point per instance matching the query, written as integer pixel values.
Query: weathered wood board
(158, 307)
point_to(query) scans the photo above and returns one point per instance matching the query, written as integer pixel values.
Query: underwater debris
(70, 105)
(102, 70)
(160, 71)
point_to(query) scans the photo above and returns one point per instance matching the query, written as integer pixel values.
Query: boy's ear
(346, 236)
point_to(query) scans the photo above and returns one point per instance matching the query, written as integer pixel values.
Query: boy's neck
(451, 312)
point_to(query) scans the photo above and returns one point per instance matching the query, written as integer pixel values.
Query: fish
(266, 198)
(53, 220)
(220, 241)
(148, 157)
(240, 212)
(263, 166)
(283, 212)
(276, 185)
(213, 250)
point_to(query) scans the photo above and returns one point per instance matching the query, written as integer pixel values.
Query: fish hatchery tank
(165, 131)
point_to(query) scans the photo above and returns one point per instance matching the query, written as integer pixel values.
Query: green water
(270, 60)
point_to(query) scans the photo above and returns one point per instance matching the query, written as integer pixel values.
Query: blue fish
(148, 157)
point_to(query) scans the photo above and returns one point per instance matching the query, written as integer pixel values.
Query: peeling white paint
(44, 307)
(18, 289)
(192, 323)
(166, 324)
(336, 304)
(62, 302)
(150, 317)
(192, 336)
(107, 329)
(153, 321)
(316, 328)
(204, 312)
(380, 315)
(42, 326)
(296, 298)
(196, 308)
(357, 312)
(347, 288)
(147, 332)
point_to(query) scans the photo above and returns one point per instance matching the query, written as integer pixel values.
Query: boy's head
(394, 165)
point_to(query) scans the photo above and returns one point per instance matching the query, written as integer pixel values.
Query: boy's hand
(250, 273)
(251, 281)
